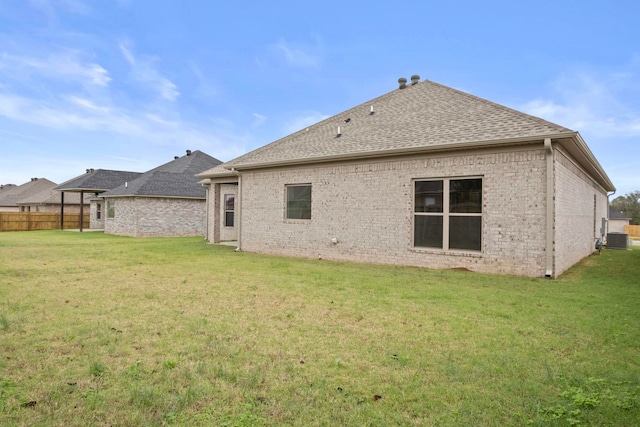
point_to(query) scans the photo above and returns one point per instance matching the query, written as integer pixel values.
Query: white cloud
(298, 55)
(89, 105)
(302, 121)
(143, 70)
(592, 102)
(258, 120)
(67, 65)
(80, 115)
(49, 7)
(206, 88)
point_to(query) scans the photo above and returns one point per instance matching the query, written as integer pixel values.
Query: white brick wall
(95, 223)
(580, 206)
(367, 206)
(156, 217)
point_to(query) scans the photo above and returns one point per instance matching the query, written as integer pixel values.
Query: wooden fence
(632, 230)
(29, 221)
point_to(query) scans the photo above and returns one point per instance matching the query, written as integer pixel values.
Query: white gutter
(238, 218)
(550, 209)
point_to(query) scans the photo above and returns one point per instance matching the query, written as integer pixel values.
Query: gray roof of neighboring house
(54, 197)
(174, 179)
(6, 187)
(13, 195)
(425, 116)
(98, 180)
(614, 214)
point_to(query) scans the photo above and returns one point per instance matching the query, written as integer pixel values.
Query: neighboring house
(425, 176)
(167, 201)
(95, 182)
(12, 195)
(50, 200)
(617, 221)
(4, 188)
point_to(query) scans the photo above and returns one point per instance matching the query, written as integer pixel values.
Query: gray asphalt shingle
(98, 180)
(15, 194)
(173, 179)
(423, 116)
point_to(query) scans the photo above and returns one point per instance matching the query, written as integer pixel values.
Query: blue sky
(128, 84)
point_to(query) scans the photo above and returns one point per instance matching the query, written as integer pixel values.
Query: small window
(111, 209)
(229, 210)
(298, 201)
(448, 214)
(98, 210)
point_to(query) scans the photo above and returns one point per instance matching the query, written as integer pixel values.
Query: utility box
(617, 241)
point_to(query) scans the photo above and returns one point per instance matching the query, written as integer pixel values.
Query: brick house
(50, 200)
(95, 182)
(617, 221)
(425, 176)
(166, 201)
(12, 196)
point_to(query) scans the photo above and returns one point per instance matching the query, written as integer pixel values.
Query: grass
(104, 330)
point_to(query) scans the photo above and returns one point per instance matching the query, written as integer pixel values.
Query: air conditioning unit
(617, 241)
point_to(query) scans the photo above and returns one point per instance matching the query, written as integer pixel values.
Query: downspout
(550, 209)
(238, 219)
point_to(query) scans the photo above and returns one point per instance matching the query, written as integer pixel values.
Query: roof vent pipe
(176, 157)
(402, 83)
(415, 79)
(188, 152)
(339, 133)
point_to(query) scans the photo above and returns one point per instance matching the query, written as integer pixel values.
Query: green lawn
(103, 330)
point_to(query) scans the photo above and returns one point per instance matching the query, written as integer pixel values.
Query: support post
(81, 209)
(62, 210)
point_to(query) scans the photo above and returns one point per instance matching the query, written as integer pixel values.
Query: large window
(111, 209)
(298, 201)
(448, 214)
(229, 209)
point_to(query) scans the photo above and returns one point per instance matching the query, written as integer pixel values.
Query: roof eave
(77, 190)
(151, 196)
(401, 151)
(221, 174)
(585, 157)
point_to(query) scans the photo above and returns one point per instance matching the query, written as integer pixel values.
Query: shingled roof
(53, 197)
(614, 214)
(421, 117)
(13, 195)
(174, 179)
(98, 180)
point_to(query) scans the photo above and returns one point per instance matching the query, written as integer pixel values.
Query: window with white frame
(448, 213)
(298, 203)
(229, 210)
